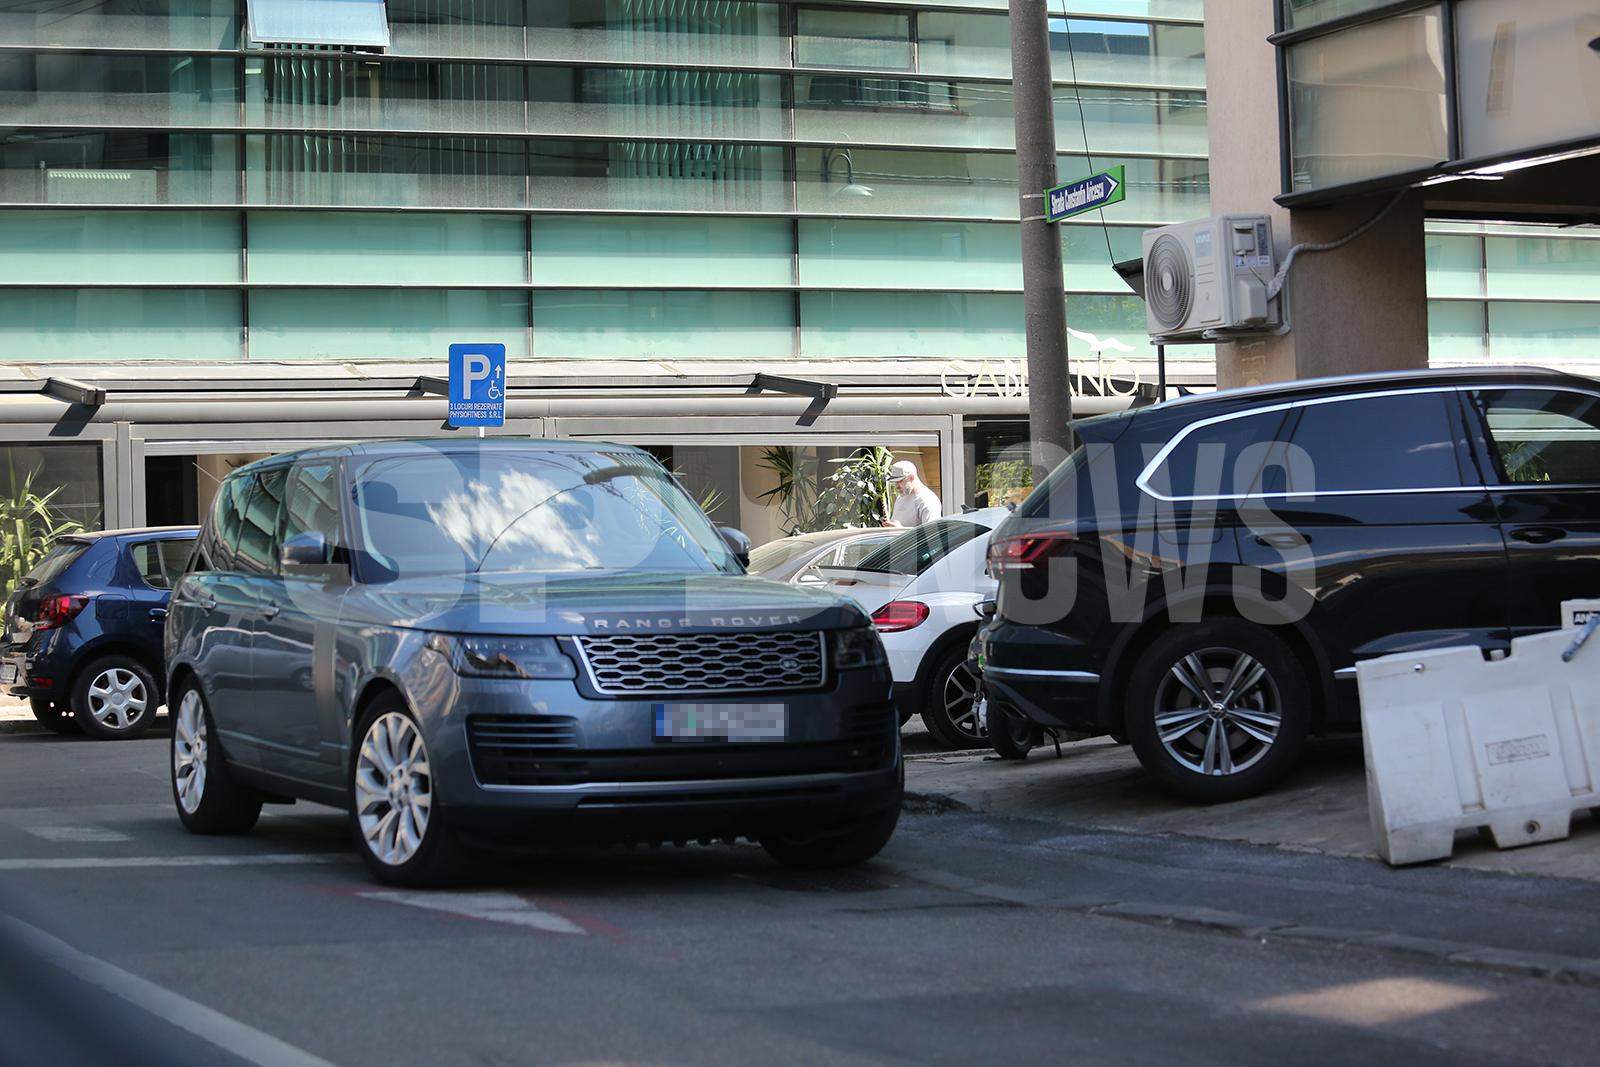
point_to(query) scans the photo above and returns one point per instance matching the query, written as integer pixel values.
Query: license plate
(9, 675)
(721, 722)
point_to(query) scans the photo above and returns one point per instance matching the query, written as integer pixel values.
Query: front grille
(661, 664)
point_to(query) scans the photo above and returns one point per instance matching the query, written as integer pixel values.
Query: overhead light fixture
(851, 187)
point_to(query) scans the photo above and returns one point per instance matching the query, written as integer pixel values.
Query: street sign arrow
(1086, 194)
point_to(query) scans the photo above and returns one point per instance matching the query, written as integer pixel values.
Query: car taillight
(1022, 552)
(899, 615)
(56, 611)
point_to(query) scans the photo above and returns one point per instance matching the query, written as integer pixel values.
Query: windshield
(919, 548)
(776, 553)
(539, 512)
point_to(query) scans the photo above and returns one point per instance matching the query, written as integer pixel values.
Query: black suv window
(312, 504)
(1544, 435)
(918, 549)
(258, 548)
(1205, 462)
(161, 562)
(1376, 443)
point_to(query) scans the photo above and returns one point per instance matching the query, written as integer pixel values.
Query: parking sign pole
(1043, 294)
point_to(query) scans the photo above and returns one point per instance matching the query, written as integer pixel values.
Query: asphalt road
(971, 940)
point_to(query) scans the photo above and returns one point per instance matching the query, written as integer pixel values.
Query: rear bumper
(1043, 676)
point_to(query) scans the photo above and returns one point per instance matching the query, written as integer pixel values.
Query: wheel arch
(1215, 603)
(960, 634)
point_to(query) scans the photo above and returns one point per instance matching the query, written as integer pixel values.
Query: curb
(1577, 970)
(29, 725)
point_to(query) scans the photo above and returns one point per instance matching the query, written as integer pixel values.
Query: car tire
(1198, 740)
(208, 799)
(400, 828)
(114, 698)
(54, 716)
(1012, 736)
(950, 702)
(845, 845)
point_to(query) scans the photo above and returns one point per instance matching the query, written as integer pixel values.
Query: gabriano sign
(1009, 377)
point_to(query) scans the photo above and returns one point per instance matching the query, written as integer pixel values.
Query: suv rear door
(1383, 497)
(1544, 453)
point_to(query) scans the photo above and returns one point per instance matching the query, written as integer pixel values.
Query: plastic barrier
(1455, 741)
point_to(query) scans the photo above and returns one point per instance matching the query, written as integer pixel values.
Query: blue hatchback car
(83, 630)
(469, 643)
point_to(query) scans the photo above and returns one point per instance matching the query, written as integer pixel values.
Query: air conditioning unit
(1209, 277)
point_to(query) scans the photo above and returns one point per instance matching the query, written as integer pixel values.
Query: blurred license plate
(721, 722)
(8, 674)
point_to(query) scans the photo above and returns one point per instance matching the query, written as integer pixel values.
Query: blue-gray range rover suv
(516, 642)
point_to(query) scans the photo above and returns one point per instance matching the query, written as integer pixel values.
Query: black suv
(1199, 578)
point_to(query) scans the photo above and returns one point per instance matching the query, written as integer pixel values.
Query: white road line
(227, 1034)
(77, 835)
(265, 859)
(490, 907)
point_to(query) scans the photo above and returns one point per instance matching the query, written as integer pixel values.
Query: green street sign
(1086, 194)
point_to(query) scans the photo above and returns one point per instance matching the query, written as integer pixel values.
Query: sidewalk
(1321, 808)
(15, 718)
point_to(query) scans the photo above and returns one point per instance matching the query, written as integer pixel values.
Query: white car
(922, 589)
(799, 559)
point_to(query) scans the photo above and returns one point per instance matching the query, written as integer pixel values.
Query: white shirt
(916, 507)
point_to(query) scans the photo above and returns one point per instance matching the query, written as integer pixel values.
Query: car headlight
(503, 657)
(857, 647)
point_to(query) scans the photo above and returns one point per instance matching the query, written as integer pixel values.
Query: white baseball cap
(901, 470)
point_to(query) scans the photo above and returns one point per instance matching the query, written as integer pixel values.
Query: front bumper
(542, 761)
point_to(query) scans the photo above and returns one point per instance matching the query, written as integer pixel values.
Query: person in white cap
(914, 503)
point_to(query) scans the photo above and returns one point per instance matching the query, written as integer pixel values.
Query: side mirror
(307, 549)
(985, 609)
(737, 543)
(308, 555)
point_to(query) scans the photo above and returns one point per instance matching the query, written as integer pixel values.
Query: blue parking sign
(477, 385)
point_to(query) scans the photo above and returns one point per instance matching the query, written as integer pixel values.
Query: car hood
(635, 603)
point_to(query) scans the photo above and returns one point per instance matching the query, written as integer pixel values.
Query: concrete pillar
(1361, 308)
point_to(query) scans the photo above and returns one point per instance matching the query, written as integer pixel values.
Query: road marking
(78, 835)
(263, 859)
(228, 1034)
(489, 907)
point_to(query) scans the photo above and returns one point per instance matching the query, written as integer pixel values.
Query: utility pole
(1043, 300)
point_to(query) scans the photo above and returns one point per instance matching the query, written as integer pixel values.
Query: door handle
(158, 613)
(1282, 540)
(1539, 535)
(270, 611)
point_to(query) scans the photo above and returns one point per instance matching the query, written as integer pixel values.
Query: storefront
(126, 450)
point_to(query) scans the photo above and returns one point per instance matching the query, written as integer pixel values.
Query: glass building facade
(221, 180)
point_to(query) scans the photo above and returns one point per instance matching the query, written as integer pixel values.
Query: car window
(258, 550)
(1544, 435)
(220, 537)
(1206, 461)
(312, 504)
(853, 553)
(541, 512)
(58, 559)
(1374, 444)
(915, 550)
(775, 554)
(161, 562)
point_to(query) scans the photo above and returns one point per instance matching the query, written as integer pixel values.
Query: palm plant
(795, 495)
(29, 526)
(859, 493)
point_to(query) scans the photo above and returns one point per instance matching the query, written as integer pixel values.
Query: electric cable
(1275, 286)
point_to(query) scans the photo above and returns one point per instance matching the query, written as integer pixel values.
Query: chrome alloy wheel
(962, 705)
(189, 752)
(1218, 711)
(394, 789)
(117, 698)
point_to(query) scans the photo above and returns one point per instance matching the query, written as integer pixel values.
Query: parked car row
(465, 644)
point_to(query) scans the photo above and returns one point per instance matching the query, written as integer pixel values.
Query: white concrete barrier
(1455, 741)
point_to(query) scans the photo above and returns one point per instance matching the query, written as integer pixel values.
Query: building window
(351, 23)
(45, 491)
(870, 40)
